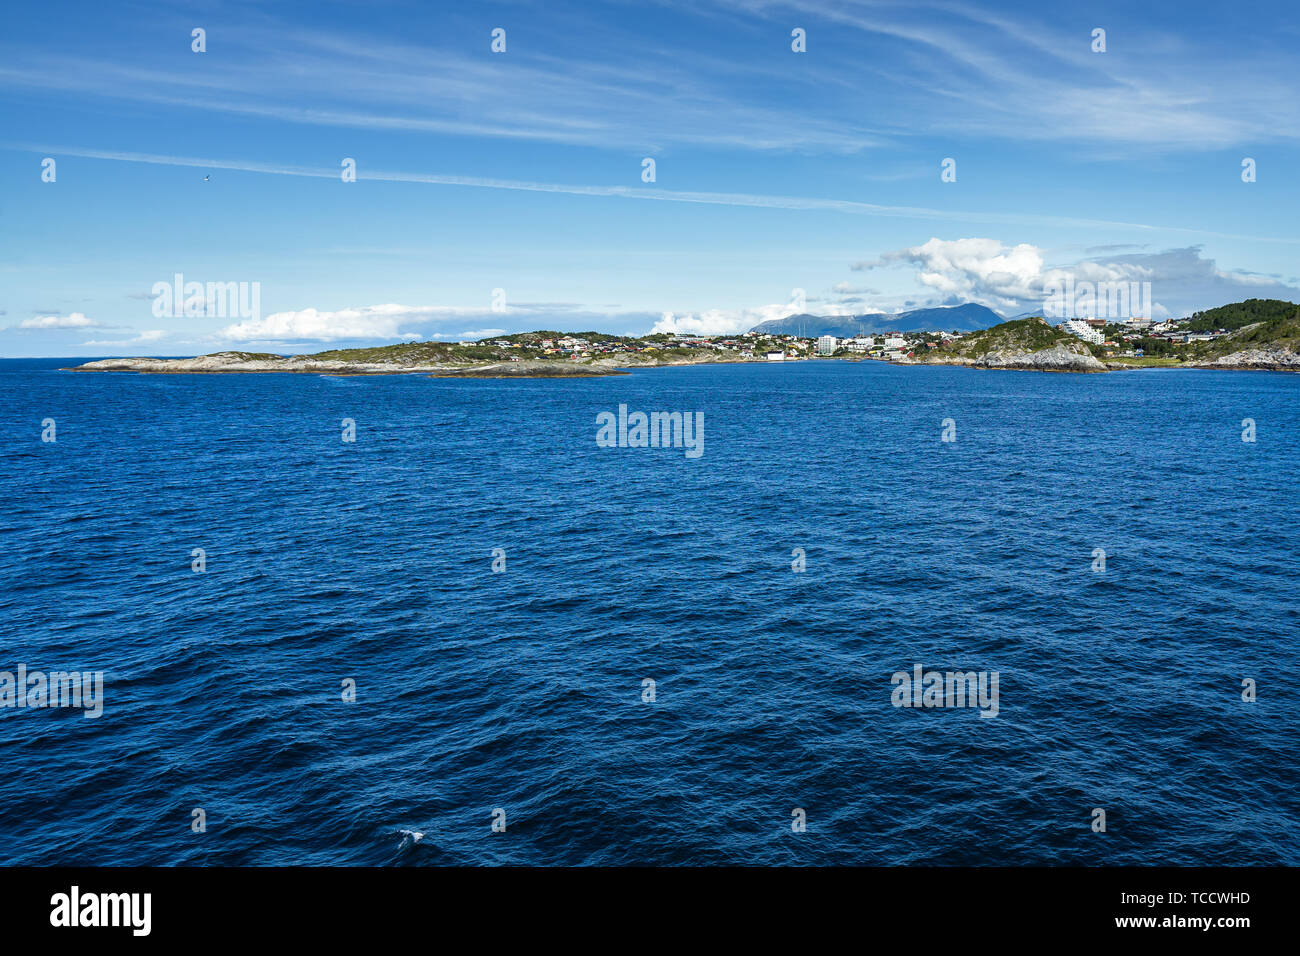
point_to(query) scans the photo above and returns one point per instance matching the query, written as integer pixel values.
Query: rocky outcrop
(1030, 344)
(1064, 357)
(1278, 358)
(525, 369)
(246, 362)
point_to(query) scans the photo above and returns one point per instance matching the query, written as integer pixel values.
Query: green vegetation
(1252, 324)
(1283, 330)
(1145, 361)
(1018, 335)
(523, 346)
(1238, 315)
(255, 356)
(1157, 348)
(407, 353)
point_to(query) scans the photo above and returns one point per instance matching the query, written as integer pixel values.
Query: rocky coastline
(1070, 357)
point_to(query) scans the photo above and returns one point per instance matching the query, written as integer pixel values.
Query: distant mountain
(961, 318)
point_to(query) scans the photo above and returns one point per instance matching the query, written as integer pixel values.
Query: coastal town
(1131, 338)
(1254, 334)
(745, 345)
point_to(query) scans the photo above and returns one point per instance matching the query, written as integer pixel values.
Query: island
(1258, 334)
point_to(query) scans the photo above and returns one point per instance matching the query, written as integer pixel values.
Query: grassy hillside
(1018, 335)
(1238, 315)
(655, 349)
(415, 353)
(254, 356)
(1282, 329)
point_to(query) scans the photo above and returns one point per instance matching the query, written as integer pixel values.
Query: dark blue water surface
(522, 690)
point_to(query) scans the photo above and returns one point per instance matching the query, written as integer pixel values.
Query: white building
(862, 343)
(1084, 331)
(776, 356)
(827, 344)
(894, 342)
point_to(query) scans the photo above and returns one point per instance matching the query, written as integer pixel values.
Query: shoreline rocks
(1059, 358)
(1062, 357)
(1270, 358)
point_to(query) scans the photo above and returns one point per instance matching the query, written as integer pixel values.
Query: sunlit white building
(1083, 330)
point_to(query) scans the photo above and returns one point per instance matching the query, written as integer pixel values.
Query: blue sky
(522, 171)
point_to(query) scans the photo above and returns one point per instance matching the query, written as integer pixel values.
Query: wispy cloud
(1014, 76)
(932, 66)
(147, 337)
(562, 91)
(647, 193)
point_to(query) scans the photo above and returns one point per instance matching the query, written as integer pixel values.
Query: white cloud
(973, 270)
(1012, 279)
(797, 203)
(561, 91)
(144, 338)
(712, 322)
(367, 322)
(970, 69)
(730, 321)
(74, 321)
(925, 66)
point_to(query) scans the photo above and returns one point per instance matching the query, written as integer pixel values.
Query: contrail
(652, 194)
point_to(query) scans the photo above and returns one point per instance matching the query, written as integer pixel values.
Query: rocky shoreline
(1062, 357)
(1273, 358)
(242, 362)
(1059, 358)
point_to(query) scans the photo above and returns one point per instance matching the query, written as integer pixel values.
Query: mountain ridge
(968, 317)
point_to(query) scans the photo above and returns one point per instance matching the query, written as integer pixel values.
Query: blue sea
(519, 694)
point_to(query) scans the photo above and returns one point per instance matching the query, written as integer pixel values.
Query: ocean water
(522, 690)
